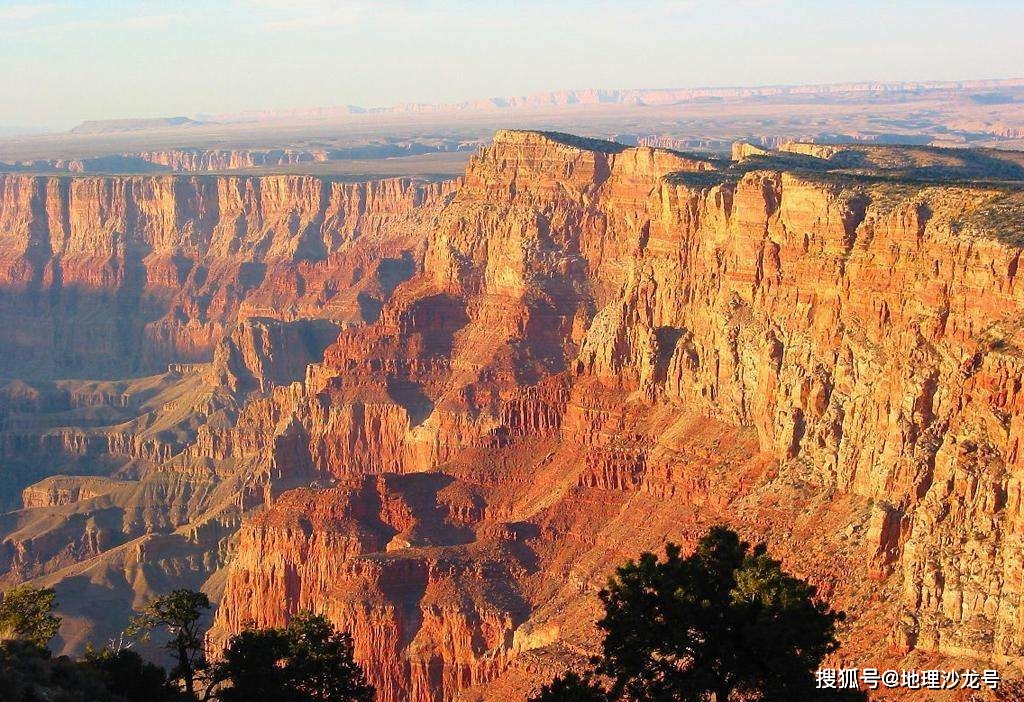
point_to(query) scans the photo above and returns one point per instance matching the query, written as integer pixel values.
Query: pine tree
(725, 621)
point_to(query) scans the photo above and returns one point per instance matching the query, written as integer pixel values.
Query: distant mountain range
(20, 130)
(563, 98)
(102, 126)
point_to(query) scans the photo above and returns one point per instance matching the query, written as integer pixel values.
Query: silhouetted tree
(253, 666)
(126, 674)
(570, 687)
(726, 620)
(179, 615)
(29, 673)
(307, 661)
(26, 615)
(321, 664)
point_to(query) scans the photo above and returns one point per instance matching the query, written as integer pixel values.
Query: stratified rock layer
(107, 276)
(828, 363)
(578, 352)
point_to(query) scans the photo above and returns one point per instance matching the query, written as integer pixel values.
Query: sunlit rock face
(441, 414)
(109, 276)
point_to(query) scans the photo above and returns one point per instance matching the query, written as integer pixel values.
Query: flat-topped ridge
(520, 136)
(891, 162)
(543, 151)
(583, 143)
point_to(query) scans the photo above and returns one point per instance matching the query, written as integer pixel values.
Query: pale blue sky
(64, 61)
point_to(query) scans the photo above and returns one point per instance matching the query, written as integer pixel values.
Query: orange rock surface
(105, 276)
(578, 352)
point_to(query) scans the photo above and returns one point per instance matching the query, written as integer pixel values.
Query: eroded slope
(581, 351)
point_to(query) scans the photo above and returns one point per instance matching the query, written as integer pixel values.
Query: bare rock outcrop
(108, 276)
(575, 353)
(592, 320)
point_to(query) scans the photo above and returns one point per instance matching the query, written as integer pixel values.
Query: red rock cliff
(112, 275)
(608, 347)
(578, 352)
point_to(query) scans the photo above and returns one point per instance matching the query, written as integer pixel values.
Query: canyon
(203, 160)
(442, 412)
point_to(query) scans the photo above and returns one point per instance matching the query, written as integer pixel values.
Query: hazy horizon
(67, 62)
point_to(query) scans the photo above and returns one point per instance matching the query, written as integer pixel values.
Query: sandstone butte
(442, 413)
